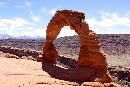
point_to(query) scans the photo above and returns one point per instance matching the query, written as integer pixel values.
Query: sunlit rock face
(90, 55)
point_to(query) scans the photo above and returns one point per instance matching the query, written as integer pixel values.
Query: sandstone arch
(91, 54)
(90, 51)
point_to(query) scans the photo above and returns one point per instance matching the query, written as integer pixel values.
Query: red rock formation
(11, 56)
(19, 52)
(91, 54)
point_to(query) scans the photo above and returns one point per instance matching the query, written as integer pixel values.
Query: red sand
(28, 73)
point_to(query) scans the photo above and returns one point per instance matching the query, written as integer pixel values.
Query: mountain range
(7, 36)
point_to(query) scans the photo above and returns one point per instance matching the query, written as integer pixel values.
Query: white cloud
(3, 26)
(40, 32)
(109, 21)
(53, 11)
(18, 6)
(34, 17)
(15, 22)
(3, 4)
(116, 19)
(50, 11)
(20, 27)
(14, 25)
(28, 4)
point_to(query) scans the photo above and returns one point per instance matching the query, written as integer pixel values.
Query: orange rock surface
(27, 73)
(91, 56)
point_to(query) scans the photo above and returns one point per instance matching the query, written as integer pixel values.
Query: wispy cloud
(17, 22)
(34, 17)
(53, 11)
(18, 6)
(3, 4)
(28, 4)
(50, 11)
(44, 10)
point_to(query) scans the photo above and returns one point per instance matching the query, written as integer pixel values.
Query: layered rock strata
(90, 56)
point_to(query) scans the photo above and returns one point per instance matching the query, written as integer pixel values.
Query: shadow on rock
(78, 75)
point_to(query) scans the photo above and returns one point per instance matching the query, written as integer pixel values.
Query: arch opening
(67, 45)
(66, 31)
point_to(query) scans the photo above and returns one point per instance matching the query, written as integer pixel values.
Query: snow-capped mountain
(7, 36)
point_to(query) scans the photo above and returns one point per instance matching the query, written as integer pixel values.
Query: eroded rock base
(79, 75)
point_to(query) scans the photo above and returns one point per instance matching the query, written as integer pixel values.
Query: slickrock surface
(28, 73)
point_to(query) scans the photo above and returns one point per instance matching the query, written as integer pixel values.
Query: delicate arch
(90, 54)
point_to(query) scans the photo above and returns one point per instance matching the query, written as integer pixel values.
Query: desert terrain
(22, 71)
(28, 73)
(115, 46)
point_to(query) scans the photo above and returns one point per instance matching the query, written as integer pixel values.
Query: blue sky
(30, 17)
